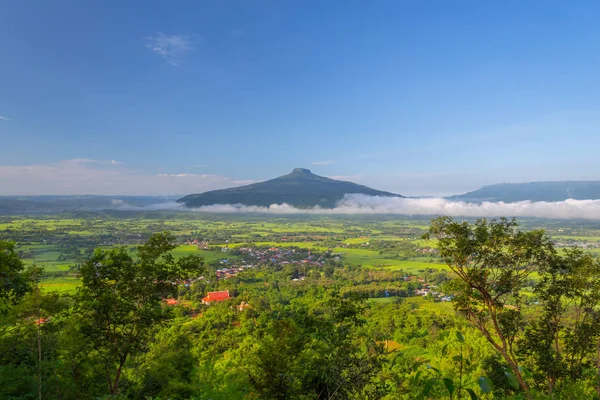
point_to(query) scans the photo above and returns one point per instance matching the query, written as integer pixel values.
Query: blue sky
(416, 97)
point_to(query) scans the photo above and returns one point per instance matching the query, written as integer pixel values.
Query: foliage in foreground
(317, 339)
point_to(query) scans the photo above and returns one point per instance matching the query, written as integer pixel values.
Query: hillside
(534, 191)
(300, 188)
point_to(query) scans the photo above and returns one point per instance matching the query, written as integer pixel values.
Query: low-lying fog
(363, 204)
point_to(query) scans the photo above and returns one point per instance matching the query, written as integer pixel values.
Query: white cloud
(4, 118)
(326, 162)
(181, 175)
(86, 176)
(362, 204)
(172, 48)
(91, 161)
(245, 182)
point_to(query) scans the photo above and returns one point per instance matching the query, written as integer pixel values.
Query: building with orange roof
(171, 302)
(216, 296)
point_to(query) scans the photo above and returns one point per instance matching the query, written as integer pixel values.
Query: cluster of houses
(429, 290)
(229, 271)
(279, 256)
(427, 250)
(200, 244)
(253, 256)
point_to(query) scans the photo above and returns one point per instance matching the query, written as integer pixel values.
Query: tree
(313, 348)
(492, 260)
(13, 281)
(29, 348)
(566, 335)
(120, 301)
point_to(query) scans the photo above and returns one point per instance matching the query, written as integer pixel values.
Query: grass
(382, 300)
(372, 259)
(577, 238)
(358, 240)
(421, 303)
(425, 243)
(61, 284)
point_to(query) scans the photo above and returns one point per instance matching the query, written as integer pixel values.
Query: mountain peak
(299, 171)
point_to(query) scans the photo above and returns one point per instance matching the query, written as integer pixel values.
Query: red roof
(216, 296)
(171, 302)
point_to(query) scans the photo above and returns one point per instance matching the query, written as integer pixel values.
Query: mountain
(58, 204)
(300, 188)
(534, 191)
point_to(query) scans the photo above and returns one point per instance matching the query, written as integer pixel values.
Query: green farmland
(60, 243)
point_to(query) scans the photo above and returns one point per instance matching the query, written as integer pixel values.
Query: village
(248, 257)
(245, 257)
(431, 291)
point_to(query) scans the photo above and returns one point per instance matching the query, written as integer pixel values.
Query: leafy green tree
(166, 369)
(29, 350)
(120, 301)
(13, 281)
(274, 369)
(566, 336)
(342, 361)
(311, 349)
(492, 260)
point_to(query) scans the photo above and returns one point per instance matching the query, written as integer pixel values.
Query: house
(216, 296)
(171, 302)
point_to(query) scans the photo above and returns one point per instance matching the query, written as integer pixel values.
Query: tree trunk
(522, 382)
(115, 386)
(108, 379)
(515, 368)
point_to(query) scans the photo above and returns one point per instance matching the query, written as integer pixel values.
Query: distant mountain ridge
(550, 191)
(300, 188)
(56, 204)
